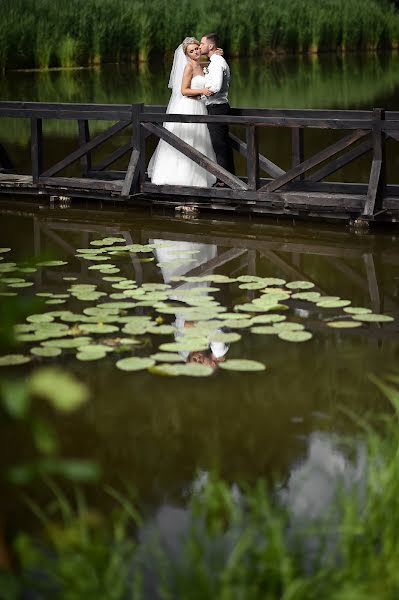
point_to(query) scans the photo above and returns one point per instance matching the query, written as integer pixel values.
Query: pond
(164, 431)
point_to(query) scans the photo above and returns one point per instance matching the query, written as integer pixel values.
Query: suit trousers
(219, 133)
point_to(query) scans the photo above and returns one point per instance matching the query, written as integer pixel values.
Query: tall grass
(45, 34)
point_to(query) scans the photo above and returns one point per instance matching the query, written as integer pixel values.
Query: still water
(164, 434)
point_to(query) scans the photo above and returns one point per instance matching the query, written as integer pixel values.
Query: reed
(42, 34)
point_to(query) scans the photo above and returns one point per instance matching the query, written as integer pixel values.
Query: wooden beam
(136, 158)
(84, 138)
(377, 176)
(264, 163)
(36, 148)
(297, 149)
(342, 161)
(111, 158)
(199, 158)
(252, 158)
(315, 160)
(99, 139)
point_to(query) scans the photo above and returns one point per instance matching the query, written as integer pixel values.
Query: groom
(218, 80)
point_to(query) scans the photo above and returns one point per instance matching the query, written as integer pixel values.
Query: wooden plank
(36, 148)
(264, 163)
(314, 160)
(341, 161)
(252, 158)
(5, 160)
(84, 138)
(99, 139)
(377, 179)
(199, 158)
(135, 164)
(81, 184)
(108, 175)
(394, 135)
(297, 143)
(111, 158)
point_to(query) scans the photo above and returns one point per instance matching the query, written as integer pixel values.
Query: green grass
(44, 33)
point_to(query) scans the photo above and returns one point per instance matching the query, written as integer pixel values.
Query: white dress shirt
(218, 80)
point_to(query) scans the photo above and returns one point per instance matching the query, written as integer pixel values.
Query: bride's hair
(187, 42)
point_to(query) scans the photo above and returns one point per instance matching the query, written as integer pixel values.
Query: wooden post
(5, 160)
(36, 148)
(135, 173)
(377, 178)
(84, 138)
(252, 158)
(297, 149)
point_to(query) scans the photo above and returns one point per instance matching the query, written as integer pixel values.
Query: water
(165, 434)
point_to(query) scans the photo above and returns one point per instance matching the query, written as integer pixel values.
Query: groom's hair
(213, 38)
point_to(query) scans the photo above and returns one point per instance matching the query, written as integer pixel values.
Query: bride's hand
(219, 51)
(207, 92)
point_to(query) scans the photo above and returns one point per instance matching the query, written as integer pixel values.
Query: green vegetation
(48, 33)
(235, 542)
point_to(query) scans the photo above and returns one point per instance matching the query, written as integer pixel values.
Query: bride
(168, 165)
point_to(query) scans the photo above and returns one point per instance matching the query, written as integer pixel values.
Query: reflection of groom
(218, 79)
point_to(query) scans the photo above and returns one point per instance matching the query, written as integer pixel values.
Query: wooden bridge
(300, 191)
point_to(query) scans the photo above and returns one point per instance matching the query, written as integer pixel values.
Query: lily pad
(242, 364)
(227, 338)
(67, 342)
(42, 318)
(45, 352)
(300, 285)
(21, 284)
(344, 324)
(14, 359)
(273, 281)
(255, 285)
(165, 357)
(2, 250)
(186, 345)
(98, 328)
(294, 336)
(52, 263)
(135, 363)
(264, 330)
(309, 296)
(59, 388)
(162, 330)
(264, 319)
(357, 310)
(333, 303)
(91, 355)
(373, 318)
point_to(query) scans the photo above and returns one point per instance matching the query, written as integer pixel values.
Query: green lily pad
(333, 303)
(265, 319)
(59, 388)
(357, 310)
(20, 284)
(69, 278)
(135, 363)
(2, 250)
(67, 342)
(55, 301)
(95, 348)
(165, 370)
(373, 318)
(14, 359)
(289, 326)
(98, 328)
(42, 318)
(264, 330)
(295, 336)
(227, 338)
(52, 263)
(241, 324)
(242, 364)
(113, 278)
(27, 270)
(91, 355)
(273, 281)
(300, 285)
(255, 285)
(186, 345)
(194, 370)
(162, 330)
(45, 352)
(309, 296)
(344, 324)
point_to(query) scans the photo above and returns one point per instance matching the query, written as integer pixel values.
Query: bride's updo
(187, 42)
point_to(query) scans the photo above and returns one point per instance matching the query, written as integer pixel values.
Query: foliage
(47, 34)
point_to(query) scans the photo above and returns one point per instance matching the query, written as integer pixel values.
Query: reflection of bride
(168, 165)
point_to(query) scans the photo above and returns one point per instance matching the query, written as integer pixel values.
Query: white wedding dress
(171, 167)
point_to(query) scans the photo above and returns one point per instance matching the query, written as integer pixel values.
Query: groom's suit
(218, 80)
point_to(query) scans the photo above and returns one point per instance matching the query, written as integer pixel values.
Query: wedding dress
(171, 167)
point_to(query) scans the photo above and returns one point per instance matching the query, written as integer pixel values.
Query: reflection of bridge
(356, 261)
(302, 190)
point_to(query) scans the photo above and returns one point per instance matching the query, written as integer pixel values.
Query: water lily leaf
(248, 307)
(162, 330)
(43, 318)
(264, 319)
(289, 326)
(98, 328)
(186, 345)
(14, 359)
(332, 303)
(255, 285)
(135, 363)
(89, 296)
(8, 294)
(2, 250)
(27, 270)
(69, 278)
(164, 369)
(156, 286)
(373, 318)
(295, 336)
(249, 279)
(227, 338)
(300, 285)
(45, 352)
(55, 301)
(357, 310)
(52, 263)
(113, 278)
(67, 342)
(242, 324)
(344, 324)
(95, 348)
(165, 357)
(91, 355)
(309, 296)
(62, 390)
(194, 370)
(106, 267)
(12, 280)
(95, 257)
(264, 330)
(273, 281)
(242, 364)
(32, 337)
